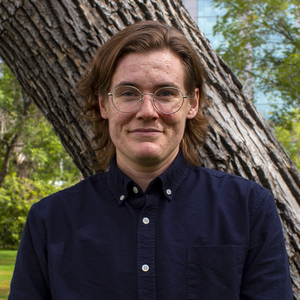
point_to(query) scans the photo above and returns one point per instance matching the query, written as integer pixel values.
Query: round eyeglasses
(167, 100)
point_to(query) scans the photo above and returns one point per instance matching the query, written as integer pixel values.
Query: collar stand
(167, 183)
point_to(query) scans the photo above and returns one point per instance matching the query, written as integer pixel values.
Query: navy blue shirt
(194, 234)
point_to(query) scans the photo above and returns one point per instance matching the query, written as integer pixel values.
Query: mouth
(146, 131)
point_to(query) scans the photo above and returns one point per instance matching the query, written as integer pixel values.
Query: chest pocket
(215, 272)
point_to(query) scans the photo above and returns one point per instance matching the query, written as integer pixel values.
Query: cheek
(113, 126)
(176, 123)
(170, 119)
(117, 122)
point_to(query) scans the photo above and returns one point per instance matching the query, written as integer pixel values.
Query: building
(205, 15)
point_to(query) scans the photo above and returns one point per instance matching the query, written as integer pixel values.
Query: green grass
(7, 263)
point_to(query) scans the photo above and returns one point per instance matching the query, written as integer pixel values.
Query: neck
(144, 173)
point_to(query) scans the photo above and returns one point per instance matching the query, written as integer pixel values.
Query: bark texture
(47, 44)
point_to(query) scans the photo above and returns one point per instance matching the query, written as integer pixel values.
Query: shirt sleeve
(266, 271)
(30, 279)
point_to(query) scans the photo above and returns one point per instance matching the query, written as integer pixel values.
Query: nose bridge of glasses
(150, 94)
(147, 103)
(151, 98)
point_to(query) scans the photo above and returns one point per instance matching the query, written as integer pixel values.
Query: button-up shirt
(194, 233)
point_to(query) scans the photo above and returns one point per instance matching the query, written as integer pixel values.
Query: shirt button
(145, 268)
(169, 192)
(146, 221)
(122, 197)
(135, 190)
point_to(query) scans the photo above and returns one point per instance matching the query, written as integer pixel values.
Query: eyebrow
(163, 84)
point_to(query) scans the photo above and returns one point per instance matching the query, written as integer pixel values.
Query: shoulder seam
(263, 195)
(42, 237)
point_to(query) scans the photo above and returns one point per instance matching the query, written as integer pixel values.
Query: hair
(142, 37)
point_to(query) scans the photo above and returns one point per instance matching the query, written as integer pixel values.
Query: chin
(147, 156)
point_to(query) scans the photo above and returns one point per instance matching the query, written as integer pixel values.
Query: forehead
(147, 70)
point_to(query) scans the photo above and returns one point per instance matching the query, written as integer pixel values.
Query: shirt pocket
(215, 272)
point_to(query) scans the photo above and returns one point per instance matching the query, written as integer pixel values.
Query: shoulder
(59, 213)
(72, 198)
(231, 188)
(221, 179)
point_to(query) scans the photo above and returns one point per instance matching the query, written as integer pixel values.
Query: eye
(165, 92)
(127, 92)
(168, 94)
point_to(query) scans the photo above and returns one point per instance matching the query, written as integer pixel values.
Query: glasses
(167, 100)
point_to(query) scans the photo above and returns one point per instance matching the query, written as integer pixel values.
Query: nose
(147, 110)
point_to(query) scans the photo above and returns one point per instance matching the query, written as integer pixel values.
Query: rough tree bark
(47, 44)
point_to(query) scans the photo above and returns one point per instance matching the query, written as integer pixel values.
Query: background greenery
(33, 162)
(261, 45)
(7, 262)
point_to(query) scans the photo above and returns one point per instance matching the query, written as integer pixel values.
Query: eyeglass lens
(128, 99)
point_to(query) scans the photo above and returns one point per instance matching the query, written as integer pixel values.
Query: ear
(103, 108)
(193, 105)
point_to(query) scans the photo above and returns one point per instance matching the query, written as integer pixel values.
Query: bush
(16, 197)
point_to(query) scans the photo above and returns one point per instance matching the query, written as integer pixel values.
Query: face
(148, 137)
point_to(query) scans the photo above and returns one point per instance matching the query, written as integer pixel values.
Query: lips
(146, 131)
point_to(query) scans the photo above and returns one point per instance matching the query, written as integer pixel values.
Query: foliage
(37, 163)
(48, 159)
(262, 46)
(38, 153)
(10, 98)
(16, 197)
(289, 138)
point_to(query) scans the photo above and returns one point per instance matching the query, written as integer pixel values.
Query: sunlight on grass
(7, 262)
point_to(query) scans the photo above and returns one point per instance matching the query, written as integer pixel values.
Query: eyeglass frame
(142, 99)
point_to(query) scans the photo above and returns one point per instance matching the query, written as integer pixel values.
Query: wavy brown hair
(142, 37)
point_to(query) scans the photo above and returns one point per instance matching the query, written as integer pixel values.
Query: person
(154, 224)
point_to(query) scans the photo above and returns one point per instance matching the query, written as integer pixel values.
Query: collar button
(169, 192)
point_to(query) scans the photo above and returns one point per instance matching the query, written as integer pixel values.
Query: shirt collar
(122, 186)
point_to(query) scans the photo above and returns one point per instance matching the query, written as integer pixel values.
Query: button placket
(146, 244)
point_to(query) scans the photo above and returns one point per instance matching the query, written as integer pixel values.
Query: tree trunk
(47, 44)
(9, 149)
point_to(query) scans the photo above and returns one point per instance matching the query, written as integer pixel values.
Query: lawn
(7, 262)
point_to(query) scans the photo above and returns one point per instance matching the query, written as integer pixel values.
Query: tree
(29, 146)
(262, 46)
(48, 43)
(14, 111)
(33, 162)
